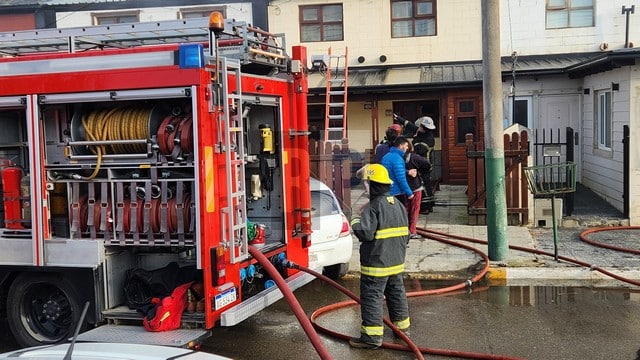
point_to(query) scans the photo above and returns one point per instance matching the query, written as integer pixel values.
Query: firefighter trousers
(373, 290)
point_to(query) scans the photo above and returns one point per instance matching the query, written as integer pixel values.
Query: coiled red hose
(411, 346)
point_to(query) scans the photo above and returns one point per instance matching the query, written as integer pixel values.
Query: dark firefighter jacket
(383, 232)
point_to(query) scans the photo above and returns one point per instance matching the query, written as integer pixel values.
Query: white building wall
(523, 29)
(238, 11)
(634, 149)
(603, 170)
(367, 32)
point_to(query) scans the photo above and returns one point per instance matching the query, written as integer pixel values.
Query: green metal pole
(555, 227)
(494, 143)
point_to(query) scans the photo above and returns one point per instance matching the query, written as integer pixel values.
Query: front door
(557, 112)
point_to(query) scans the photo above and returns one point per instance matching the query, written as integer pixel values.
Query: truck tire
(336, 271)
(42, 309)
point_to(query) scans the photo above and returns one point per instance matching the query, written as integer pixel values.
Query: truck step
(124, 313)
(138, 335)
(261, 300)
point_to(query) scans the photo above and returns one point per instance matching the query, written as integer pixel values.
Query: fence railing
(331, 164)
(516, 151)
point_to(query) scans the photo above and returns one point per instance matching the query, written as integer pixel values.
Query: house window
(411, 18)
(200, 11)
(569, 13)
(466, 120)
(321, 23)
(603, 119)
(520, 111)
(115, 17)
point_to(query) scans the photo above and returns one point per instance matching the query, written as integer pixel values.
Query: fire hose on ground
(310, 325)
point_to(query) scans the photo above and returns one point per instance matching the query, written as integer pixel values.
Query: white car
(109, 351)
(331, 240)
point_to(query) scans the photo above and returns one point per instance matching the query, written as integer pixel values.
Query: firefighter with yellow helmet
(383, 231)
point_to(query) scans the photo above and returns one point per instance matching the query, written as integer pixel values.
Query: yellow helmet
(377, 173)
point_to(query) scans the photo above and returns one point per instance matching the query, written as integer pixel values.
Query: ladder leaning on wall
(335, 126)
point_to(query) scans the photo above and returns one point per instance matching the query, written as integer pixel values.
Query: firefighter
(383, 232)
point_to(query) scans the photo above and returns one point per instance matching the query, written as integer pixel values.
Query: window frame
(320, 22)
(603, 128)
(205, 11)
(568, 8)
(459, 114)
(414, 17)
(523, 98)
(98, 17)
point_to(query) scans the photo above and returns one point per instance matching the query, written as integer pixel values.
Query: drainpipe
(626, 11)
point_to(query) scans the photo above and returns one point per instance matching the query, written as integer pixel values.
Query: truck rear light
(346, 230)
(218, 266)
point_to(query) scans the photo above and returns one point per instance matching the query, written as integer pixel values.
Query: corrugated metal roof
(458, 73)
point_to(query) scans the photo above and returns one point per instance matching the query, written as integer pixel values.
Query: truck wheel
(42, 309)
(336, 271)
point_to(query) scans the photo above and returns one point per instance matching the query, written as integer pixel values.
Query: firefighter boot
(366, 342)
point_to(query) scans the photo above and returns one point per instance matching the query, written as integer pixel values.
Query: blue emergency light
(191, 56)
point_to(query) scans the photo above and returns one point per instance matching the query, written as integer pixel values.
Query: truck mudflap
(185, 338)
(260, 301)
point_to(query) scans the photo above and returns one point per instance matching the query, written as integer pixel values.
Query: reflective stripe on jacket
(383, 231)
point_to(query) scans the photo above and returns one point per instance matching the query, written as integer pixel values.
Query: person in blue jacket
(394, 162)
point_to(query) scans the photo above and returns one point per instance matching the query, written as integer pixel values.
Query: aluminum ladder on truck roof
(250, 45)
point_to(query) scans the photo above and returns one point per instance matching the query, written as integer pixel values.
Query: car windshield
(322, 204)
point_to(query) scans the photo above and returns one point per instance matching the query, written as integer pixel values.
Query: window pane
(465, 106)
(425, 27)
(521, 112)
(310, 14)
(581, 3)
(332, 32)
(401, 10)
(106, 21)
(322, 204)
(425, 8)
(310, 33)
(607, 121)
(581, 18)
(557, 19)
(128, 19)
(332, 13)
(555, 3)
(401, 29)
(466, 125)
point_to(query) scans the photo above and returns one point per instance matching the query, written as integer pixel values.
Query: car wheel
(336, 271)
(42, 309)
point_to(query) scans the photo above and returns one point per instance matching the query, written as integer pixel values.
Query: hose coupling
(468, 283)
(286, 263)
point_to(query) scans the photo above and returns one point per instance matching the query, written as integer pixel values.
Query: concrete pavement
(427, 258)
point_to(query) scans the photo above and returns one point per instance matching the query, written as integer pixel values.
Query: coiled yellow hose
(120, 123)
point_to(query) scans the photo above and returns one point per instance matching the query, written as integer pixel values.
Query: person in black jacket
(424, 142)
(383, 232)
(416, 183)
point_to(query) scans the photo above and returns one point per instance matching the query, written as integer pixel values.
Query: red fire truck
(134, 146)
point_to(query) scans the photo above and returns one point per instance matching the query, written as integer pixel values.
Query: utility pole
(494, 142)
(627, 11)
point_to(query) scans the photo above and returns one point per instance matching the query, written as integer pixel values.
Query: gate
(331, 164)
(550, 149)
(516, 151)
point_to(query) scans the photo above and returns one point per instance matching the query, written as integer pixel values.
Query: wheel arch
(84, 279)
